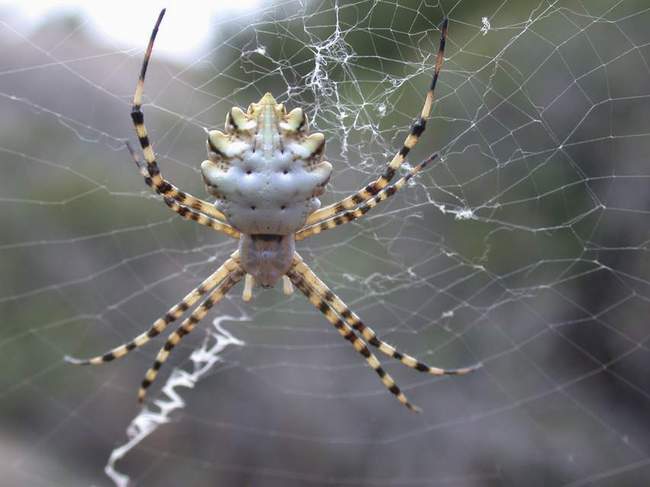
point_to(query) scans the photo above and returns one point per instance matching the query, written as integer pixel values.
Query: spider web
(524, 247)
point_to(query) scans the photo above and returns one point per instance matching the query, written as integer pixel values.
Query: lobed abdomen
(262, 195)
(266, 170)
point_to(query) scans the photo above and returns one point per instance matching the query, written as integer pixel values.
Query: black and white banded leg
(184, 211)
(324, 293)
(174, 313)
(346, 332)
(157, 182)
(410, 142)
(361, 210)
(187, 326)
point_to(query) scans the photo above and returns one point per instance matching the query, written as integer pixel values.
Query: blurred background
(524, 247)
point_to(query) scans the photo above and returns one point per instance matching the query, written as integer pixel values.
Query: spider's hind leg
(351, 319)
(162, 323)
(187, 326)
(346, 332)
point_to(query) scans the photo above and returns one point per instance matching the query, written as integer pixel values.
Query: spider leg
(346, 332)
(364, 208)
(411, 140)
(187, 326)
(158, 183)
(184, 211)
(320, 289)
(162, 323)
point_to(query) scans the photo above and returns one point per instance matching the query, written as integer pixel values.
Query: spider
(266, 172)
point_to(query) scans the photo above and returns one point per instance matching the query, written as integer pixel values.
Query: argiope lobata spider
(266, 172)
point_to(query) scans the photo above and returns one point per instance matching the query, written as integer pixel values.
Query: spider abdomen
(274, 196)
(266, 171)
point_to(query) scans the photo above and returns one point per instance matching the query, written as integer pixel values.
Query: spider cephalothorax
(266, 172)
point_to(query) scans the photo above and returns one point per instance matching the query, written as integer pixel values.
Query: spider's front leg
(370, 190)
(321, 289)
(177, 200)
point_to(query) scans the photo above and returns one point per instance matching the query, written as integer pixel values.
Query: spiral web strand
(524, 246)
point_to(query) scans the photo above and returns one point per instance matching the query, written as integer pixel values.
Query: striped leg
(364, 208)
(184, 211)
(411, 140)
(172, 315)
(346, 332)
(158, 183)
(320, 289)
(187, 326)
